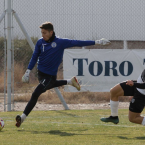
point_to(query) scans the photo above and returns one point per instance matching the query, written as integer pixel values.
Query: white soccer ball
(1, 124)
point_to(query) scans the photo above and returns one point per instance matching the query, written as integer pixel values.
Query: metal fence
(123, 22)
(2, 58)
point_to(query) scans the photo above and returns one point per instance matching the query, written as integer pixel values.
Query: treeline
(22, 51)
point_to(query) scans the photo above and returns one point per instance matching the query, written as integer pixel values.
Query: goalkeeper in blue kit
(48, 54)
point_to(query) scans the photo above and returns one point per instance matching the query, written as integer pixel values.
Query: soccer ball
(1, 124)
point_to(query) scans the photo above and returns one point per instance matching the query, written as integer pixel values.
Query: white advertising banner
(98, 70)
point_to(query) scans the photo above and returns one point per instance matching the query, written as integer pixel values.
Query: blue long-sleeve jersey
(49, 54)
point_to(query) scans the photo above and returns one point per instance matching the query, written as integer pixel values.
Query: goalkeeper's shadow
(54, 132)
(64, 133)
(139, 137)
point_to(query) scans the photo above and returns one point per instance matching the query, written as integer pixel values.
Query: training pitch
(71, 127)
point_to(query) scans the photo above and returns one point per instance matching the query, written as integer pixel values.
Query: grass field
(72, 127)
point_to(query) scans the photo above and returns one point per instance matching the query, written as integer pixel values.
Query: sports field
(71, 127)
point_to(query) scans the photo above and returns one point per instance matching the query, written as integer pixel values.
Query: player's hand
(129, 82)
(102, 41)
(25, 78)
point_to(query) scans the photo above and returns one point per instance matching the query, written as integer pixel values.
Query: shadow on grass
(64, 133)
(61, 133)
(139, 138)
(54, 132)
(65, 113)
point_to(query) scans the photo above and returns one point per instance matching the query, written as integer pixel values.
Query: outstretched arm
(67, 43)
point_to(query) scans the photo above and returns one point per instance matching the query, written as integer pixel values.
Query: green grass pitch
(70, 127)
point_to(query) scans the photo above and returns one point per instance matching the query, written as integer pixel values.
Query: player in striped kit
(48, 54)
(128, 88)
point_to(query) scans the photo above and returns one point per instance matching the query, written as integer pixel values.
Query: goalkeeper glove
(102, 41)
(25, 78)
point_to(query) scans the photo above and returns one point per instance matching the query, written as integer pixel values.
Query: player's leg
(45, 84)
(135, 117)
(41, 88)
(32, 102)
(136, 107)
(119, 90)
(73, 82)
(115, 93)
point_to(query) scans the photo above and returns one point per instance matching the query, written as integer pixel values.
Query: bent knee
(117, 91)
(112, 91)
(131, 119)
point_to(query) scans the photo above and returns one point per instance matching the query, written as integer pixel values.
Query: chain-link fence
(2, 58)
(119, 21)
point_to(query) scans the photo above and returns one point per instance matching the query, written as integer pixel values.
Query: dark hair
(47, 25)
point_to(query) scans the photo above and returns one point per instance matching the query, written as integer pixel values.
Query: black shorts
(138, 101)
(42, 76)
(47, 81)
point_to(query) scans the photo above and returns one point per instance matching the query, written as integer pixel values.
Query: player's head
(46, 30)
